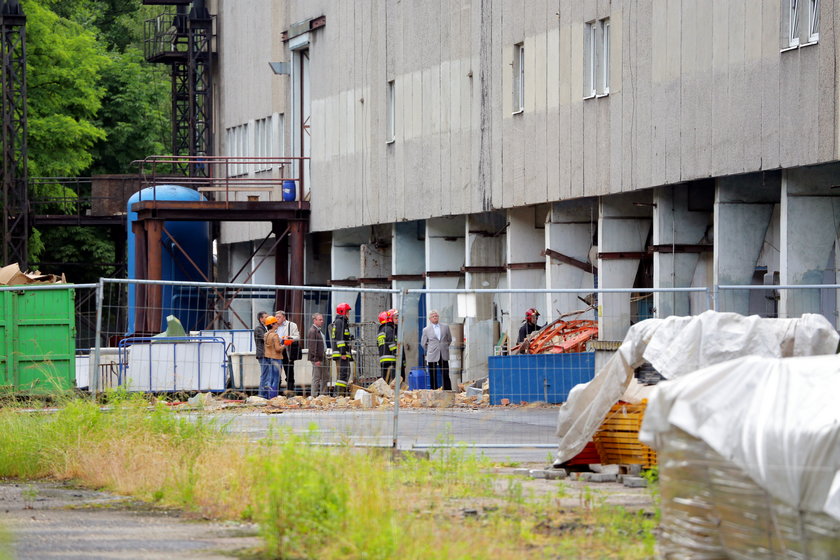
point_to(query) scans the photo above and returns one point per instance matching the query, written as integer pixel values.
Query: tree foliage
(94, 105)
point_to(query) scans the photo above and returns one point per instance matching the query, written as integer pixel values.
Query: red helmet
(383, 317)
(342, 309)
(392, 314)
(532, 313)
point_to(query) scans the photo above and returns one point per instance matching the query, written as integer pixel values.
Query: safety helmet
(392, 314)
(383, 317)
(532, 313)
(342, 309)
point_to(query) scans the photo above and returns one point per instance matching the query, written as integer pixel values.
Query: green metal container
(37, 340)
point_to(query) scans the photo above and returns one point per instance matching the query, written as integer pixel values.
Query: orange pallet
(617, 439)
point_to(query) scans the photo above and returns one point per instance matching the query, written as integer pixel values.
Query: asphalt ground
(51, 520)
(515, 434)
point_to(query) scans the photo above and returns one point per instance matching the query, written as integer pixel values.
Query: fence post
(397, 376)
(100, 298)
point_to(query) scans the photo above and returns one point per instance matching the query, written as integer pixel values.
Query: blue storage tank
(189, 304)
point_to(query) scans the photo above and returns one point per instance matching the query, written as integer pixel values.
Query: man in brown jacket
(317, 348)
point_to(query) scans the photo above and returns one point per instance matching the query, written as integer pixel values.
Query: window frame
(793, 23)
(518, 78)
(813, 21)
(391, 112)
(605, 57)
(590, 60)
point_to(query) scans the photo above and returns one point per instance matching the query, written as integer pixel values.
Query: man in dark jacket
(316, 346)
(530, 325)
(259, 343)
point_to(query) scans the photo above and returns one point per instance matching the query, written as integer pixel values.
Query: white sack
(776, 419)
(679, 345)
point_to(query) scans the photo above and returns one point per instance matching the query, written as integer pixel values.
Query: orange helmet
(383, 317)
(342, 309)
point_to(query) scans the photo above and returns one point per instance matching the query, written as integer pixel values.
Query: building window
(237, 147)
(793, 23)
(813, 21)
(519, 77)
(589, 59)
(596, 58)
(262, 143)
(605, 57)
(391, 120)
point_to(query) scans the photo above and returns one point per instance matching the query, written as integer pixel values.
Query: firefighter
(530, 325)
(341, 337)
(387, 342)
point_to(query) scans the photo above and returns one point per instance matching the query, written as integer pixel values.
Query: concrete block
(597, 477)
(522, 472)
(635, 482)
(604, 469)
(555, 474)
(632, 470)
(537, 473)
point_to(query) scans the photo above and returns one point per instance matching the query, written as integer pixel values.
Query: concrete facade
(469, 131)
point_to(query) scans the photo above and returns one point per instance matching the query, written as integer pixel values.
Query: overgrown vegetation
(314, 501)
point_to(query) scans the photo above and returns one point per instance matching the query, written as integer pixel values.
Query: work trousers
(343, 373)
(274, 380)
(265, 376)
(387, 369)
(320, 378)
(439, 369)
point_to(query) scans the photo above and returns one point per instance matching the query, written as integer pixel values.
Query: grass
(314, 501)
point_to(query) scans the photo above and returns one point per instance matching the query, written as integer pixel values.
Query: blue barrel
(289, 191)
(418, 378)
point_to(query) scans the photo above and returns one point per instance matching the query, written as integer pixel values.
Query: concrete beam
(623, 225)
(570, 230)
(677, 222)
(809, 217)
(525, 241)
(744, 208)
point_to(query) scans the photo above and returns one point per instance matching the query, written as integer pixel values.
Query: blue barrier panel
(538, 377)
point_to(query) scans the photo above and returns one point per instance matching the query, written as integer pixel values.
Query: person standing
(259, 343)
(530, 324)
(435, 342)
(274, 354)
(316, 346)
(342, 353)
(386, 340)
(290, 335)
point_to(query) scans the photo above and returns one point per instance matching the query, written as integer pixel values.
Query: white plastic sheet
(776, 419)
(679, 345)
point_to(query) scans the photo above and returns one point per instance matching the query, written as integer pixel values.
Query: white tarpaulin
(776, 419)
(679, 345)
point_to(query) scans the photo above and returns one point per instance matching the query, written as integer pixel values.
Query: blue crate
(538, 377)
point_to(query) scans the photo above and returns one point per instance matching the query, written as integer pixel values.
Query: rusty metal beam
(209, 210)
(443, 273)
(617, 256)
(407, 277)
(681, 248)
(526, 266)
(483, 269)
(565, 259)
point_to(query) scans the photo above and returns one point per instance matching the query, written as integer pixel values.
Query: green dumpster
(37, 340)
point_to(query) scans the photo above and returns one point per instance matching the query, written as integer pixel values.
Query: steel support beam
(15, 202)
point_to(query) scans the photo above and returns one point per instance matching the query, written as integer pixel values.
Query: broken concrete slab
(597, 477)
(634, 482)
(256, 401)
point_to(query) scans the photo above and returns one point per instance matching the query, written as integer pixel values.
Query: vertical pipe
(397, 373)
(97, 352)
(281, 268)
(297, 230)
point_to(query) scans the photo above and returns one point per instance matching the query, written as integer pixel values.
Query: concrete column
(408, 264)
(569, 237)
(623, 226)
(444, 249)
(346, 266)
(525, 241)
(485, 270)
(682, 220)
(744, 209)
(810, 214)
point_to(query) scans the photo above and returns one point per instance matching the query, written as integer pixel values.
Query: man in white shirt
(290, 335)
(435, 342)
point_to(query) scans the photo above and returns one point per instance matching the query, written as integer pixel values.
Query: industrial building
(545, 144)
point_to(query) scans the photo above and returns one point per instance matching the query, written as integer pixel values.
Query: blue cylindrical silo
(189, 304)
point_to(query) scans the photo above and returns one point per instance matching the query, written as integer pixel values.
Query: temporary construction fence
(505, 401)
